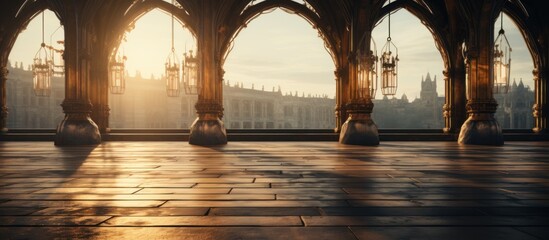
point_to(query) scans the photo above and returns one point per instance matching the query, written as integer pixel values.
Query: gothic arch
(520, 17)
(22, 18)
(301, 10)
(138, 9)
(427, 17)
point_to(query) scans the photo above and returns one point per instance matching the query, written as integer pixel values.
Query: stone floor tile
(264, 211)
(14, 211)
(205, 221)
(277, 203)
(128, 203)
(438, 233)
(124, 211)
(52, 220)
(425, 220)
(90, 190)
(287, 191)
(515, 211)
(185, 191)
(18, 190)
(232, 185)
(166, 185)
(400, 211)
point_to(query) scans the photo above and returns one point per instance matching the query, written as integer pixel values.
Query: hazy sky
(281, 49)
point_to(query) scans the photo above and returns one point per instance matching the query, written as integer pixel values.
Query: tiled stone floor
(274, 190)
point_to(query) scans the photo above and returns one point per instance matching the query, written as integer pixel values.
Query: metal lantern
(173, 87)
(502, 61)
(367, 72)
(41, 69)
(389, 70)
(191, 79)
(117, 78)
(389, 66)
(57, 62)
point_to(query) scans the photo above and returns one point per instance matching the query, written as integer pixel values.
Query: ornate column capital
(208, 129)
(208, 107)
(482, 106)
(77, 109)
(360, 106)
(76, 106)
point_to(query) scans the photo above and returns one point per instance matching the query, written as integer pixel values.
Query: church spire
(428, 77)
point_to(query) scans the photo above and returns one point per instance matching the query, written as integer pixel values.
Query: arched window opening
(145, 103)
(279, 76)
(419, 98)
(26, 109)
(515, 107)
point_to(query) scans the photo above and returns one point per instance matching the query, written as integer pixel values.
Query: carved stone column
(481, 128)
(454, 106)
(359, 129)
(77, 128)
(339, 109)
(208, 129)
(539, 110)
(3, 101)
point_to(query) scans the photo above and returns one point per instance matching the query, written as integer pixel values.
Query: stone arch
(302, 11)
(428, 19)
(22, 18)
(140, 8)
(520, 18)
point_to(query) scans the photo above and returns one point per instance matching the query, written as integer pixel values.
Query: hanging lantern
(56, 56)
(389, 66)
(367, 72)
(191, 79)
(117, 78)
(57, 62)
(172, 75)
(173, 87)
(502, 61)
(41, 69)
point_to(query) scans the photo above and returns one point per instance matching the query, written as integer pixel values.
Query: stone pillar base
(481, 131)
(208, 132)
(77, 131)
(359, 129)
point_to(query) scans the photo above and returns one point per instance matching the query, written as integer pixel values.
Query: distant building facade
(27, 110)
(260, 109)
(145, 105)
(515, 107)
(424, 112)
